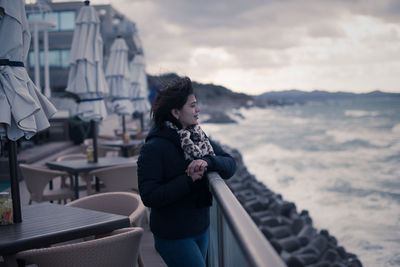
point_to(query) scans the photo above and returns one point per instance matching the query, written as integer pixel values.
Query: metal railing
(235, 239)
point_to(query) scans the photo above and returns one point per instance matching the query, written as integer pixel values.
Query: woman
(172, 181)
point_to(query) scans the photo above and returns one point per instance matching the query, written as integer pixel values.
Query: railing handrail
(256, 248)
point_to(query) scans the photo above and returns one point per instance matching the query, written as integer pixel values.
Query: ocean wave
(343, 169)
(360, 136)
(392, 158)
(367, 245)
(396, 128)
(358, 143)
(344, 187)
(360, 113)
(342, 136)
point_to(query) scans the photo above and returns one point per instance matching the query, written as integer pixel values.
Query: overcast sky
(254, 46)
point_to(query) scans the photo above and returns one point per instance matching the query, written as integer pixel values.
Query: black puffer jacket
(179, 206)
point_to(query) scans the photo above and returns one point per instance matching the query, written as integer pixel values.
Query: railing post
(255, 248)
(220, 230)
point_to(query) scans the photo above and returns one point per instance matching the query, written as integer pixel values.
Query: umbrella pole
(141, 122)
(123, 125)
(95, 130)
(16, 202)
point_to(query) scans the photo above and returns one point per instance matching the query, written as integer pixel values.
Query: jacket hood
(164, 132)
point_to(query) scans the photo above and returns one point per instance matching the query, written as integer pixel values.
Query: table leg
(88, 180)
(97, 184)
(76, 186)
(51, 188)
(10, 261)
(125, 152)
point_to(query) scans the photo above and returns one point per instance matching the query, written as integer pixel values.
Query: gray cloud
(211, 37)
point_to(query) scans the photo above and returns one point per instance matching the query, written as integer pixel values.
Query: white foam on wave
(360, 113)
(377, 138)
(257, 114)
(345, 190)
(343, 136)
(396, 129)
(359, 221)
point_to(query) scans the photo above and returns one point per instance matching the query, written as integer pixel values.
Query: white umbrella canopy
(24, 110)
(91, 107)
(117, 76)
(86, 77)
(139, 84)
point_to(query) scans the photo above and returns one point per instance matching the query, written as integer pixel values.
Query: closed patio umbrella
(139, 85)
(118, 79)
(86, 77)
(24, 110)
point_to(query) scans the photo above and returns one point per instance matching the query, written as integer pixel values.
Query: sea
(338, 159)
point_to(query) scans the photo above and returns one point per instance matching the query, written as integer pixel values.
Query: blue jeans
(190, 252)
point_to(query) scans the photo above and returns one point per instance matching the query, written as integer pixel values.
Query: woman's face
(189, 113)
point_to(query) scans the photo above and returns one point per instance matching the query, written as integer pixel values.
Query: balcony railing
(235, 240)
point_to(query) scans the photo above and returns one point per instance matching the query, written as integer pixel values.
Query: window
(64, 57)
(53, 18)
(64, 20)
(67, 20)
(57, 59)
(54, 58)
(115, 23)
(32, 59)
(34, 16)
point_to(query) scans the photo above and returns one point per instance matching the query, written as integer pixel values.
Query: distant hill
(297, 96)
(210, 94)
(217, 100)
(216, 97)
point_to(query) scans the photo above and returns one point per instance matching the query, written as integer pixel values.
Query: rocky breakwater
(290, 232)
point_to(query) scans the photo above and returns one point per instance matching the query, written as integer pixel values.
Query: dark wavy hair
(173, 95)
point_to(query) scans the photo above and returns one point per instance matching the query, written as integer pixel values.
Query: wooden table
(45, 224)
(77, 166)
(124, 146)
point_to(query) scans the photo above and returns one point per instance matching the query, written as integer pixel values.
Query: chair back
(122, 203)
(102, 151)
(121, 248)
(37, 177)
(71, 156)
(84, 176)
(118, 178)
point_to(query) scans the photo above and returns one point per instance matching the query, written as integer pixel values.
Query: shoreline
(290, 232)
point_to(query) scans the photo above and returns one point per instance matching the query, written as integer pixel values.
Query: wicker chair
(85, 177)
(122, 203)
(36, 179)
(121, 248)
(118, 178)
(122, 178)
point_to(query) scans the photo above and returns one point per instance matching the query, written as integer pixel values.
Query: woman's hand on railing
(196, 175)
(196, 169)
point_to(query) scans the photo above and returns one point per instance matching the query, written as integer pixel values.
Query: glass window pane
(31, 59)
(67, 20)
(54, 58)
(34, 16)
(64, 58)
(53, 18)
(115, 27)
(41, 58)
(213, 251)
(233, 255)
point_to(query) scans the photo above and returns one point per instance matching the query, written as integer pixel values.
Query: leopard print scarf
(194, 141)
